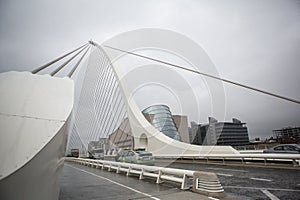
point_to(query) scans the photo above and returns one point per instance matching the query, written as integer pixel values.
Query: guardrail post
(118, 170)
(109, 168)
(184, 184)
(142, 174)
(295, 163)
(128, 171)
(158, 180)
(97, 165)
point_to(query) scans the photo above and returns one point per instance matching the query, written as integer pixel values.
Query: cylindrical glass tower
(160, 117)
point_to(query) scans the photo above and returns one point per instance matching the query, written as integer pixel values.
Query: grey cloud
(253, 42)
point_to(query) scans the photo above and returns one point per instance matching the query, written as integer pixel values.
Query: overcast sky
(253, 42)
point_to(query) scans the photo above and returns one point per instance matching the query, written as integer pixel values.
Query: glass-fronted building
(233, 133)
(160, 117)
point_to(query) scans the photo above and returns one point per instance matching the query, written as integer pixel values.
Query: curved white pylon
(33, 114)
(159, 144)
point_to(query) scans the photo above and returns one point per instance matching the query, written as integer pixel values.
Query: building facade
(181, 123)
(233, 133)
(287, 135)
(193, 131)
(159, 116)
(122, 137)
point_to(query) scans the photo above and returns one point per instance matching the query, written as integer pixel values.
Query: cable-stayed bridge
(35, 121)
(103, 102)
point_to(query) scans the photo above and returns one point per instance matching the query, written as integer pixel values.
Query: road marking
(220, 174)
(213, 198)
(233, 170)
(261, 179)
(255, 188)
(127, 187)
(270, 195)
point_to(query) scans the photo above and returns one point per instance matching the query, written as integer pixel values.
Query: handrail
(264, 155)
(161, 174)
(293, 158)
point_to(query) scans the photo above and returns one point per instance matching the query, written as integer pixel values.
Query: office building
(233, 133)
(160, 117)
(287, 135)
(122, 137)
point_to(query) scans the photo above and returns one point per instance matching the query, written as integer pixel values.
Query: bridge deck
(81, 182)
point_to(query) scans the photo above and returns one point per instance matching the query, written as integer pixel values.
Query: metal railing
(266, 159)
(161, 174)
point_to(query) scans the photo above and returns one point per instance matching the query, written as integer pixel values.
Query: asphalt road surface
(82, 182)
(253, 182)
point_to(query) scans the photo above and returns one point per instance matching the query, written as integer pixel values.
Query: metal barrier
(160, 174)
(294, 159)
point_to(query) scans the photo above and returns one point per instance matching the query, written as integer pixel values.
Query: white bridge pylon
(145, 135)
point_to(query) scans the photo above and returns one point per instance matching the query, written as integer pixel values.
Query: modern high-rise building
(160, 117)
(233, 133)
(181, 123)
(287, 135)
(193, 131)
(122, 137)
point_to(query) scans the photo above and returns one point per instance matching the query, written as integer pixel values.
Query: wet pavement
(82, 182)
(252, 182)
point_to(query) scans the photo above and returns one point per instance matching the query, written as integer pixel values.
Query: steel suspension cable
(208, 75)
(65, 63)
(54, 61)
(77, 64)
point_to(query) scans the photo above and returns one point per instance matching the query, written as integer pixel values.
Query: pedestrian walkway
(81, 182)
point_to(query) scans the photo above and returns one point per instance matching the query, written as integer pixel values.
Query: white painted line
(255, 188)
(213, 198)
(233, 170)
(129, 188)
(270, 195)
(261, 179)
(220, 174)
